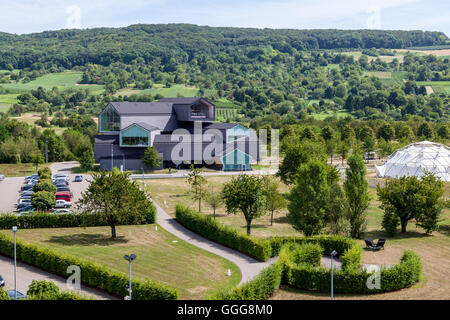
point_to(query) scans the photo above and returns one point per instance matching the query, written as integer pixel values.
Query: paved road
(184, 173)
(9, 193)
(27, 273)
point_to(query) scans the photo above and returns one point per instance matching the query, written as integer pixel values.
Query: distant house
(126, 129)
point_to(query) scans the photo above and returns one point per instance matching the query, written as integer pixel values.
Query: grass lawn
(174, 91)
(323, 115)
(196, 273)
(31, 118)
(17, 169)
(62, 80)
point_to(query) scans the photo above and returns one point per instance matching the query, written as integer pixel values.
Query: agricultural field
(174, 91)
(61, 80)
(6, 101)
(160, 256)
(438, 86)
(323, 115)
(31, 117)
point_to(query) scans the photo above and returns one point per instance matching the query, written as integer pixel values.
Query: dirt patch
(429, 89)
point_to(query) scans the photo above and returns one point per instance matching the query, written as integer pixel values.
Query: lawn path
(249, 267)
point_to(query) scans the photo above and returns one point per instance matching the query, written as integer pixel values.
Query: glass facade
(109, 120)
(134, 136)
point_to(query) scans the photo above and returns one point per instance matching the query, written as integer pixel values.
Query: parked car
(26, 187)
(25, 207)
(2, 177)
(27, 192)
(61, 211)
(63, 196)
(78, 178)
(64, 189)
(33, 176)
(63, 204)
(61, 182)
(24, 201)
(2, 282)
(16, 294)
(26, 212)
(20, 206)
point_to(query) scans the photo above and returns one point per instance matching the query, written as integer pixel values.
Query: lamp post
(14, 229)
(143, 184)
(333, 254)
(130, 258)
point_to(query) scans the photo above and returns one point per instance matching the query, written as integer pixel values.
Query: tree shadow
(445, 230)
(377, 234)
(282, 219)
(86, 239)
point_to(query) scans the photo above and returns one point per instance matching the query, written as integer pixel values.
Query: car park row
(63, 195)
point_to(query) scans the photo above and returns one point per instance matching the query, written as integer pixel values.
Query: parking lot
(10, 187)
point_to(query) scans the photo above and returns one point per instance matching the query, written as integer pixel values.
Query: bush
(51, 220)
(38, 288)
(351, 259)
(259, 288)
(4, 295)
(43, 200)
(45, 185)
(307, 253)
(213, 230)
(92, 274)
(44, 173)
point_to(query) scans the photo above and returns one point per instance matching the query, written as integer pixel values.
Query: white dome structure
(415, 159)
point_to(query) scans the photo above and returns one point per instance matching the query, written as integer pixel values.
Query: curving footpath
(249, 267)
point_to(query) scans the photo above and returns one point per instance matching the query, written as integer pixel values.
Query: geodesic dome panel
(415, 159)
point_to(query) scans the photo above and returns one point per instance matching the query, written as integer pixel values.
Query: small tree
(116, 199)
(309, 198)
(245, 193)
(274, 199)
(343, 149)
(37, 158)
(198, 185)
(45, 185)
(214, 198)
(410, 198)
(357, 194)
(87, 160)
(43, 200)
(44, 173)
(337, 209)
(152, 159)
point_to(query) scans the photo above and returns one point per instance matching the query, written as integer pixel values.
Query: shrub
(45, 185)
(44, 173)
(259, 288)
(351, 259)
(213, 230)
(50, 220)
(37, 288)
(4, 295)
(308, 253)
(43, 200)
(92, 274)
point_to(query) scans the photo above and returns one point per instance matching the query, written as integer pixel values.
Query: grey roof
(144, 125)
(143, 107)
(220, 125)
(107, 139)
(181, 100)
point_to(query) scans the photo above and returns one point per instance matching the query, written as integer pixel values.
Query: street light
(333, 254)
(130, 258)
(14, 229)
(143, 184)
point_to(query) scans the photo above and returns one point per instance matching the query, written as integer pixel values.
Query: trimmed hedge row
(51, 220)
(349, 280)
(92, 274)
(213, 230)
(259, 288)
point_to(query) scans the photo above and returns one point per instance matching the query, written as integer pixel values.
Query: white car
(62, 211)
(63, 204)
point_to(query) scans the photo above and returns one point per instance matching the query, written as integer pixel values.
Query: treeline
(70, 48)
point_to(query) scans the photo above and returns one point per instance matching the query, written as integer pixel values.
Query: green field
(438, 86)
(61, 80)
(323, 115)
(173, 91)
(160, 256)
(6, 101)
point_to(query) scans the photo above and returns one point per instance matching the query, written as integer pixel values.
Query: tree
(297, 154)
(87, 160)
(45, 185)
(214, 198)
(308, 199)
(337, 209)
(43, 200)
(356, 193)
(410, 198)
(45, 173)
(245, 193)
(343, 149)
(369, 144)
(152, 159)
(386, 132)
(37, 158)
(116, 199)
(198, 185)
(274, 199)
(425, 131)
(442, 132)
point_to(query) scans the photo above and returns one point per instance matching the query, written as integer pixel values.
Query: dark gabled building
(126, 129)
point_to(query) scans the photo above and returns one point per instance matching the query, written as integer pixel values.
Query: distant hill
(70, 48)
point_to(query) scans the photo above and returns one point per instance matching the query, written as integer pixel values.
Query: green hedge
(92, 274)
(350, 280)
(259, 288)
(351, 259)
(51, 220)
(213, 230)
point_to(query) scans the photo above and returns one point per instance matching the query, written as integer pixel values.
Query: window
(134, 136)
(109, 120)
(199, 111)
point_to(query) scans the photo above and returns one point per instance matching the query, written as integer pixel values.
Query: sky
(28, 16)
